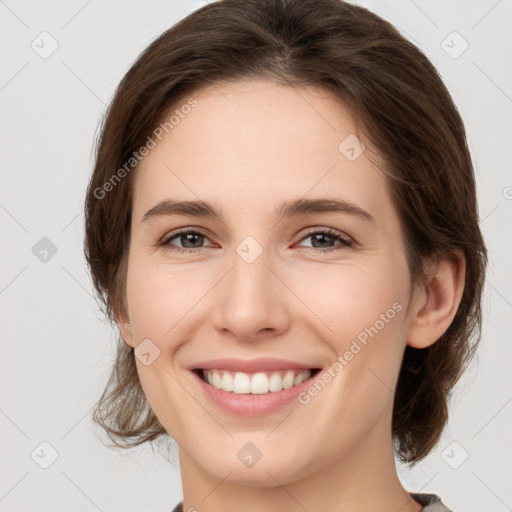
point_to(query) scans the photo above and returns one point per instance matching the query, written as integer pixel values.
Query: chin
(269, 471)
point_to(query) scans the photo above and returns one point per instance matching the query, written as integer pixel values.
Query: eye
(322, 238)
(191, 241)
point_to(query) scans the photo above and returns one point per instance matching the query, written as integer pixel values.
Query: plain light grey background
(61, 62)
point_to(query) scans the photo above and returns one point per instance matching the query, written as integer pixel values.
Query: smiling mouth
(258, 383)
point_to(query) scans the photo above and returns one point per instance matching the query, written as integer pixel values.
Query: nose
(251, 303)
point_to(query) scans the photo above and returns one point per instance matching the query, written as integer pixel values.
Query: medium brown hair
(399, 103)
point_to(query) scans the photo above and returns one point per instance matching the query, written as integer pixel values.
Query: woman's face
(274, 284)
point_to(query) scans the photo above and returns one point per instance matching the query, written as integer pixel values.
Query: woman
(282, 223)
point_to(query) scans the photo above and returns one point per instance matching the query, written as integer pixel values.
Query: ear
(120, 311)
(123, 324)
(435, 305)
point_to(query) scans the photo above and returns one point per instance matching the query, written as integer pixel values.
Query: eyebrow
(293, 208)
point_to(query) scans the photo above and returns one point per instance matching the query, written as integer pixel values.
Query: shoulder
(430, 502)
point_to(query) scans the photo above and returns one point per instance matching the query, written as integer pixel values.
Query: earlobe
(126, 332)
(436, 306)
(125, 328)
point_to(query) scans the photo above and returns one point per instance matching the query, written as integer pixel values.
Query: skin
(247, 147)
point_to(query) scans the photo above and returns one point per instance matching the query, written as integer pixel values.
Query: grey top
(430, 502)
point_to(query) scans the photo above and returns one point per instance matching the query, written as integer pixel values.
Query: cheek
(362, 311)
(160, 298)
(159, 305)
(348, 298)
(365, 312)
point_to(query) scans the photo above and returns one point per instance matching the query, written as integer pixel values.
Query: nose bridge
(250, 300)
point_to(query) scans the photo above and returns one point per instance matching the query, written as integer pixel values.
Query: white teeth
(275, 382)
(257, 383)
(217, 380)
(288, 380)
(300, 378)
(241, 383)
(227, 382)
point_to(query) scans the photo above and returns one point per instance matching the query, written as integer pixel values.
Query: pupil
(321, 236)
(189, 238)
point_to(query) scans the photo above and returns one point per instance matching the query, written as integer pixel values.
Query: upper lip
(251, 365)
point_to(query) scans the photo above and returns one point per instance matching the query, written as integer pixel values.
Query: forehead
(256, 142)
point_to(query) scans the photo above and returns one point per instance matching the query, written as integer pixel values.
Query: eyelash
(345, 241)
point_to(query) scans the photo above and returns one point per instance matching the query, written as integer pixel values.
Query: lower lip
(248, 404)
